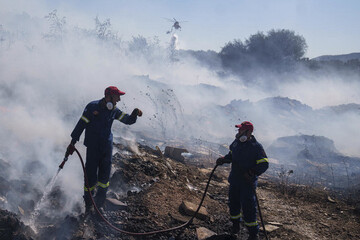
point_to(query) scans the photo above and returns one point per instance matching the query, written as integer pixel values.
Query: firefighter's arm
(128, 119)
(261, 163)
(81, 125)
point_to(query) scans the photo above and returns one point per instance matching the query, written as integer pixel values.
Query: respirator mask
(110, 105)
(243, 138)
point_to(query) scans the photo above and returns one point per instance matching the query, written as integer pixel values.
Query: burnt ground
(153, 188)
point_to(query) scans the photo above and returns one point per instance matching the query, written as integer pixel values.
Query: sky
(330, 27)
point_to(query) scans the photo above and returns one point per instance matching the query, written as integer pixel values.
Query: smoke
(174, 42)
(310, 91)
(50, 69)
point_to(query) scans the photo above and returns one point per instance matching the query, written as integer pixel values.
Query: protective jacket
(97, 121)
(246, 157)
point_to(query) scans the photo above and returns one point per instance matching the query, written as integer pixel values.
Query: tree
(139, 44)
(102, 29)
(274, 50)
(234, 56)
(285, 44)
(257, 47)
(57, 27)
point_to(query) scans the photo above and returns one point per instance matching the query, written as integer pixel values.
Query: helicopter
(175, 26)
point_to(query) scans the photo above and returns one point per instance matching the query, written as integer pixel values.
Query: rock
(331, 200)
(324, 224)
(114, 204)
(204, 233)
(159, 152)
(269, 228)
(189, 209)
(175, 153)
(275, 224)
(21, 211)
(179, 217)
(13, 228)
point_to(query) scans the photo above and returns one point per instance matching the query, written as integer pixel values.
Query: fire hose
(261, 218)
(135, 233)
(156, 231)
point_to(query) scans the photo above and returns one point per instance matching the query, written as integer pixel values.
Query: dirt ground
(153, 188)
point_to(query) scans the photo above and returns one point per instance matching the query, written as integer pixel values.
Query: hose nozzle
(63, 162)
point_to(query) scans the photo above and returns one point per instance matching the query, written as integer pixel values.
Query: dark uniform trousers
(98, 167)
(242, 204)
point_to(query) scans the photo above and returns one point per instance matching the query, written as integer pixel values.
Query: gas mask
(109, 105)
(243, 138)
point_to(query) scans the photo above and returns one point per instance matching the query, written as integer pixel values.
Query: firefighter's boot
(253, 237)
(100, 197)
(236, 226)
(89, 207)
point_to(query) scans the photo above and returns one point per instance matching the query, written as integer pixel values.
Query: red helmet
(113, 91)
(246, 126)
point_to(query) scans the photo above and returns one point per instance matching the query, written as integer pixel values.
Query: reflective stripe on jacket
(97, 121)
(245, 156)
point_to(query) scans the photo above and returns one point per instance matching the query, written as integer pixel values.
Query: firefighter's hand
(70, 149)
(220, 161)
(136, 112)
(249, 175)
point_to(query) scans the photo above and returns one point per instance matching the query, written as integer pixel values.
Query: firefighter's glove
(70, 149)
(249, 176)
(220, 161)
(136, 112)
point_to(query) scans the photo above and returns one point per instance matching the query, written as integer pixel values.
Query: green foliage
(276, 49)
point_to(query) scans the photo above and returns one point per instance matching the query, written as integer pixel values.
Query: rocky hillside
(315, 161)
(342, 57)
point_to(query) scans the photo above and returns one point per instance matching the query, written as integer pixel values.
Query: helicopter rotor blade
(170, 20)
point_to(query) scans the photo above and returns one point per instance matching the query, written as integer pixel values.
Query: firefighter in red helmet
(248, 161)
(97, 120)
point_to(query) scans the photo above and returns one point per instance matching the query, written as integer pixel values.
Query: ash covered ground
(148, 189)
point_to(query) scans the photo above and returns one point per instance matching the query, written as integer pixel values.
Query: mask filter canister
(109, 105)
(243, 138)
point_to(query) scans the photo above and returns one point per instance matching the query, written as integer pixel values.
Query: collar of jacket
(252, 139)
(102, 103)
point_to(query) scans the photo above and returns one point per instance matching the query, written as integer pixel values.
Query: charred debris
(153, 188)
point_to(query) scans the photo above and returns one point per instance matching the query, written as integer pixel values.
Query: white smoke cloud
(174, 42)
(323, 91)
